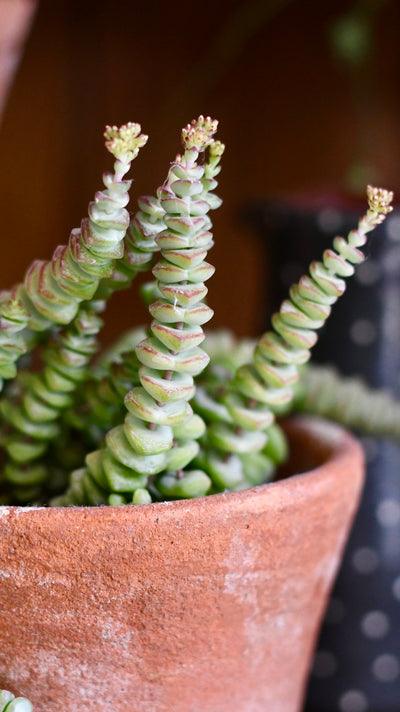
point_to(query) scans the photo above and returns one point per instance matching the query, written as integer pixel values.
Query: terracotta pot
(207, 605)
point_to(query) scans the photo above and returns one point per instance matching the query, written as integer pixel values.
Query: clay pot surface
(206, 605)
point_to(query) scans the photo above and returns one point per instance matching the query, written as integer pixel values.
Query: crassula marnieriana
(52, 290)
(159, 436)
(239, 416)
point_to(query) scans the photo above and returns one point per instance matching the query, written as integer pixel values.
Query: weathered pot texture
(207, 605)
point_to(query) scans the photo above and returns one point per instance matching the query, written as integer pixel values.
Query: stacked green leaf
(159, 436)
(53, 290)
(139, 246)
(10, 703)
(140, 242)
(227, 354)
(239, 419)
(32, 416)
(99, 403)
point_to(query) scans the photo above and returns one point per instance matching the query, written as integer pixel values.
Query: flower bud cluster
(159, 436)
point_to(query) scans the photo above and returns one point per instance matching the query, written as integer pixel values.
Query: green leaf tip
(216, 149)
(124, 141)
(379, 200)
(10, 703)
(199, 133)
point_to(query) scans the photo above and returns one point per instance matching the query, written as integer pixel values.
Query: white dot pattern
(375, 624)
(388, 513)
(396, 588)
(368, 273)
(391, 261)
(370, 448)
(353, 701)
(393, 228)
(329, 220)
(377, 628)
(365, 560)
(386, 668)
(363, 332)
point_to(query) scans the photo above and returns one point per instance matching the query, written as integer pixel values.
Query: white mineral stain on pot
(117, 634)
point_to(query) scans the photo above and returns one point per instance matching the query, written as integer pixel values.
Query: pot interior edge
(313, 442)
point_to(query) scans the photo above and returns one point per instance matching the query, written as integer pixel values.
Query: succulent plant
(160, 431)
(170, 411)
(52, 291)
(240, 412)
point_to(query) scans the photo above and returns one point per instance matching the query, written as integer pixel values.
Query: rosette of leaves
(10, 703)
(239, 418)
(52, 291)
(159, 436)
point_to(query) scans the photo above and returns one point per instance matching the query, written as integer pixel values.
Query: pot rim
(332, 447)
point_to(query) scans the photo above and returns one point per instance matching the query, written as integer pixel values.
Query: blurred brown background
(293, 115)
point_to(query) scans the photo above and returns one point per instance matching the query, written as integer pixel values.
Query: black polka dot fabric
(357, 663)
